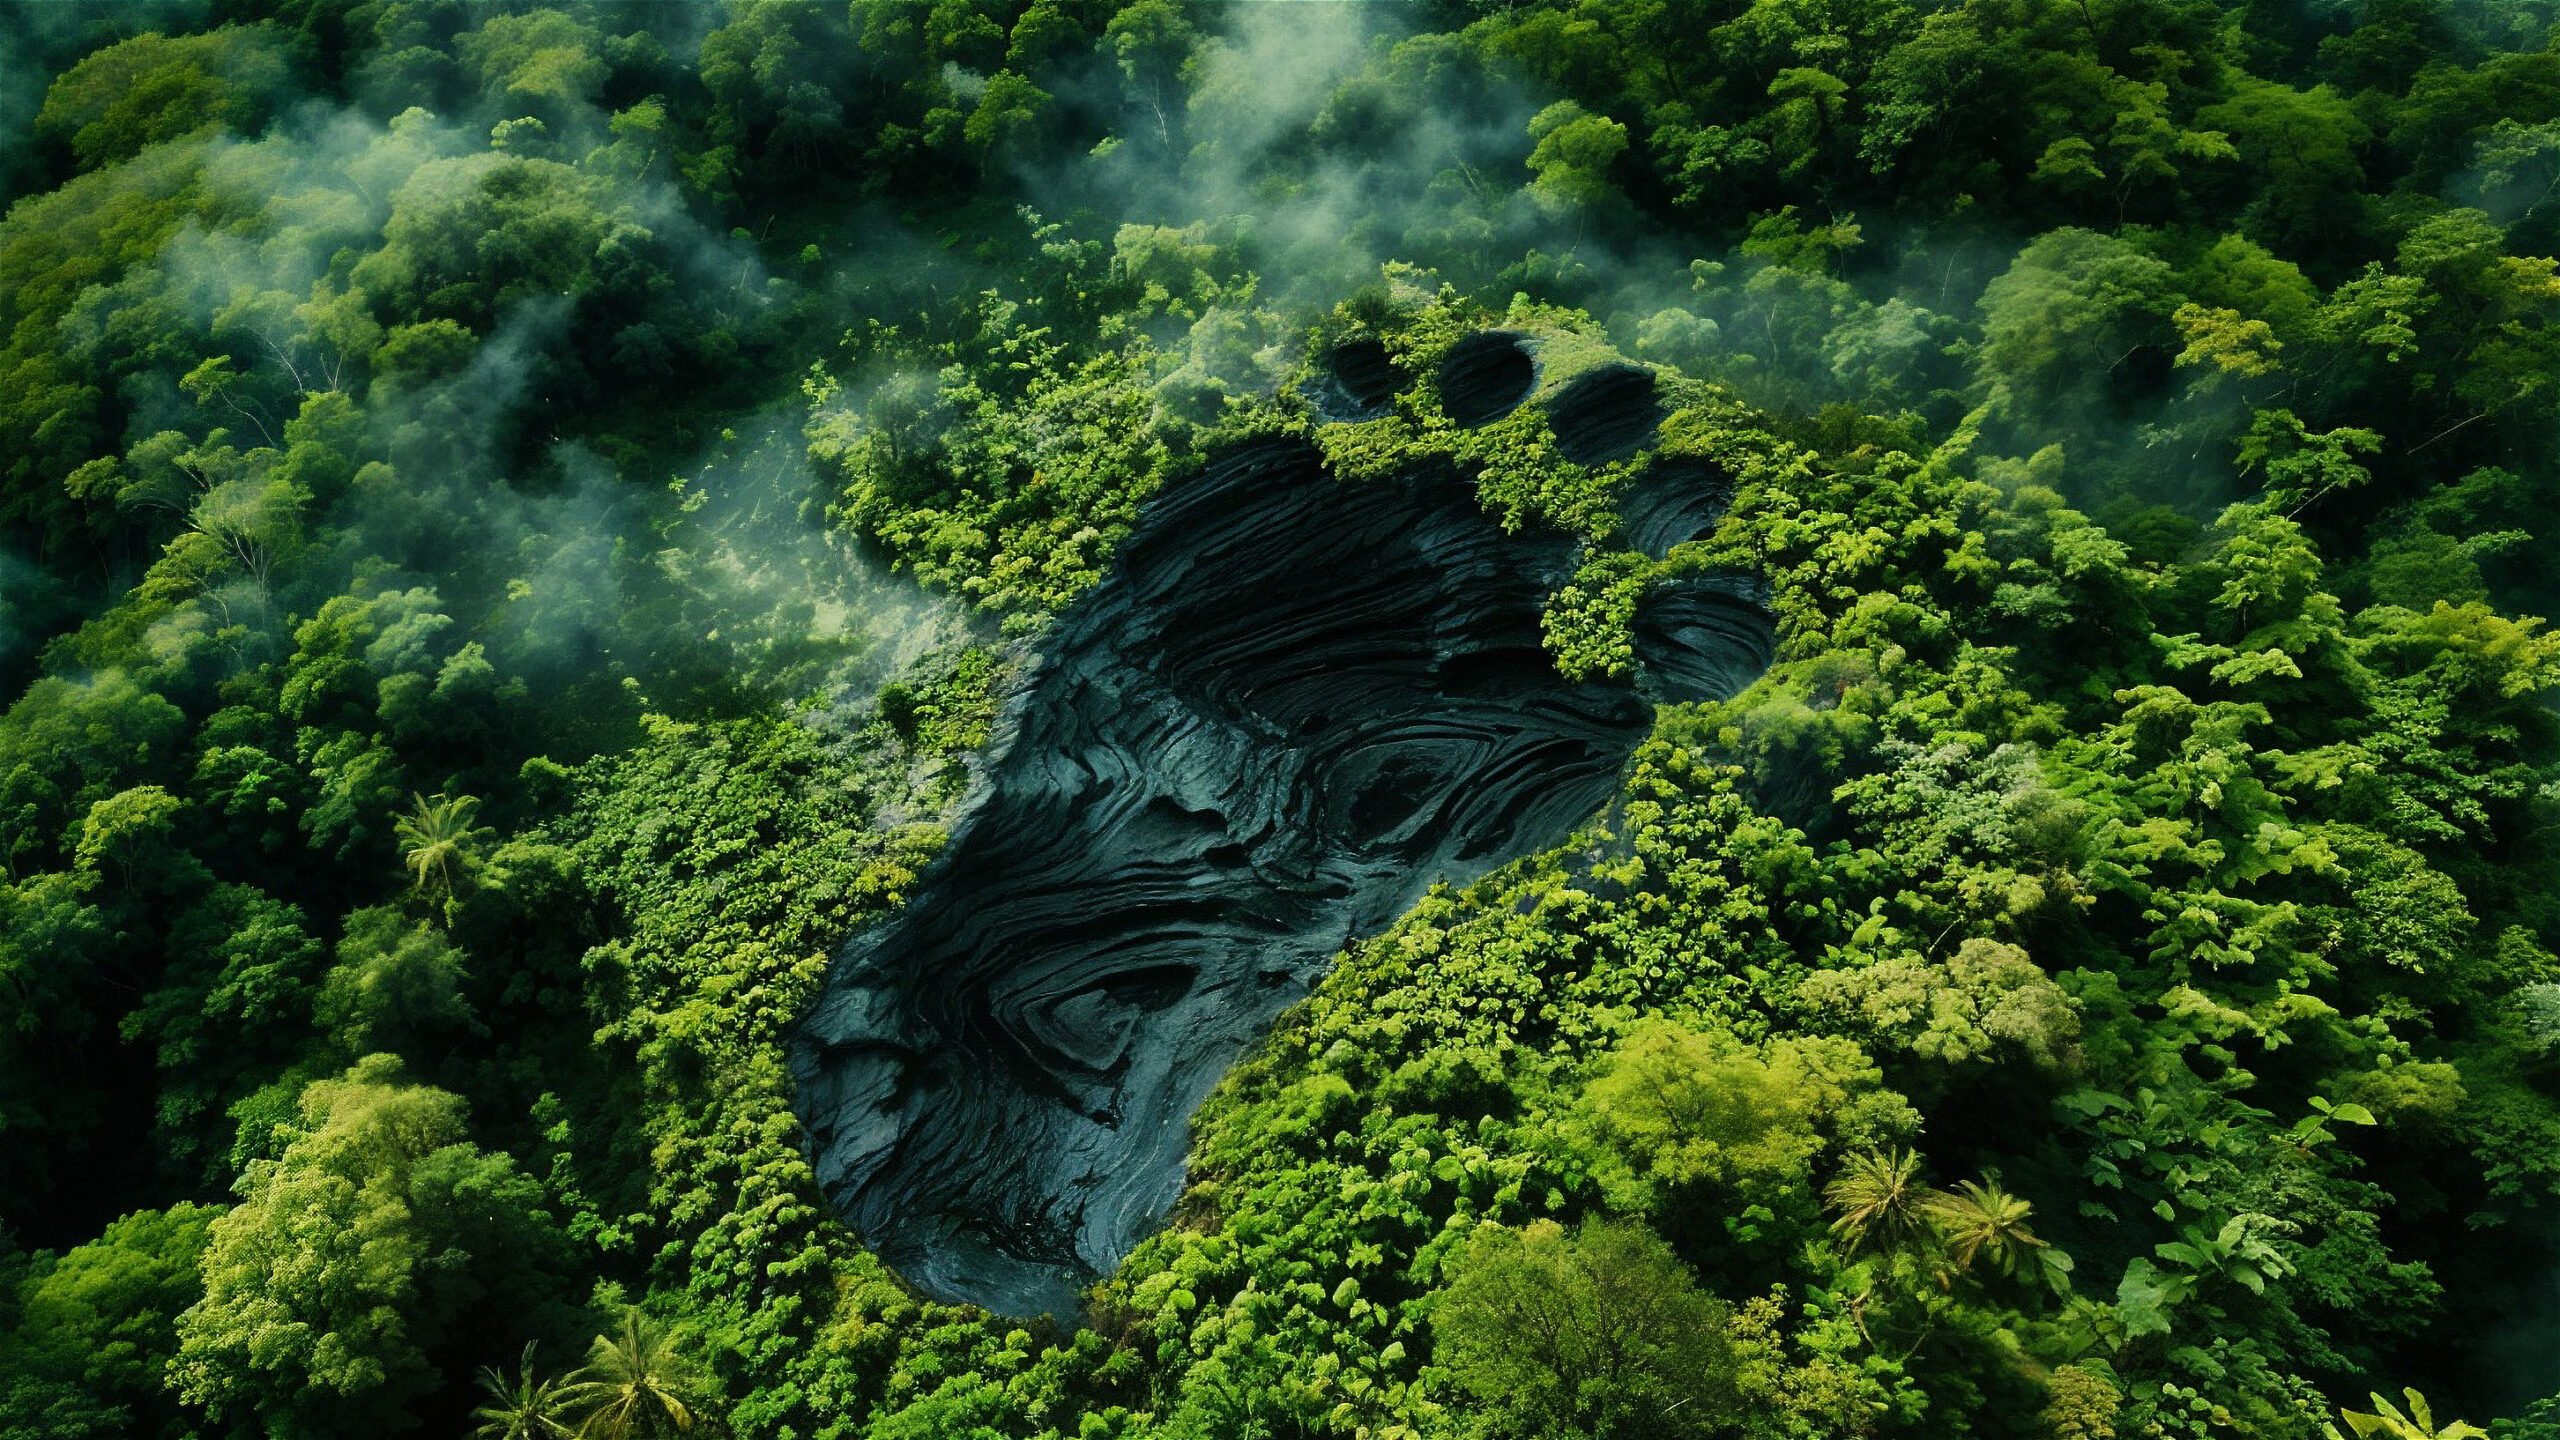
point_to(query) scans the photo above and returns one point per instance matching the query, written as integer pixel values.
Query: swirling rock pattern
(1295, 703)
(1681, 500)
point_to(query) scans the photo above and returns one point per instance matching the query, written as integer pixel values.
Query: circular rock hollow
(1293, 705)
(1359, 382)
(1607, 414)
(1679, 499)
(1485, 377)
(1703, 636)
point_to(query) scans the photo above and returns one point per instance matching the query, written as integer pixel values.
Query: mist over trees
(518, 523)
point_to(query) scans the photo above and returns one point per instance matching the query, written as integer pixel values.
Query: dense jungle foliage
(516, 522)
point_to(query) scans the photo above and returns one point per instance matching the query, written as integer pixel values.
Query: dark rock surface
(1605, 414)
(1705, 636)
(1357, 382)
(1679, 500)
(1296, 702)
(1485, 377)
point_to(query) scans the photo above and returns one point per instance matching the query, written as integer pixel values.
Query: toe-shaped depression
(1485, 377)
(1607, 414)
(1357, 380)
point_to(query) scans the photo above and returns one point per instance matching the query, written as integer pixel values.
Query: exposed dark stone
(1677, 500)
(1703, 637)
(1604, 415)
(1485, 377)
(1358, 382)
(1295, 703)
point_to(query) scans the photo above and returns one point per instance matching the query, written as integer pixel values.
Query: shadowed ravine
(1296, 703)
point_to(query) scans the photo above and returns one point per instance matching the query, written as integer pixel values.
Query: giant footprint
(1294, 704)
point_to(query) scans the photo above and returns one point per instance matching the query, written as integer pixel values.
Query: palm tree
(1981, 1219)
(436, 840)
(635, 1382)
(1881, 1201)
(527, 1409)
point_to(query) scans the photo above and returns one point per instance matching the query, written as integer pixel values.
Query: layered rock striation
(1296, 703)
